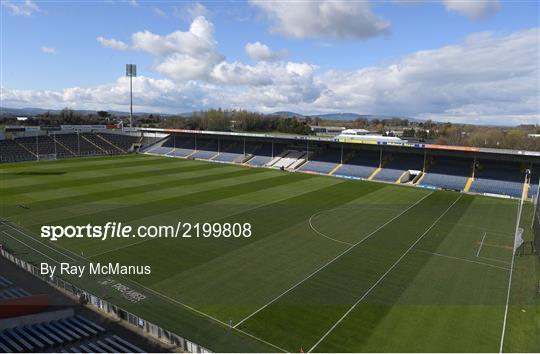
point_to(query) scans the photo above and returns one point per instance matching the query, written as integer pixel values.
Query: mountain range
(30, 111)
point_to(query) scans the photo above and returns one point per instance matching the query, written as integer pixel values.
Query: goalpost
(518, 242)
(536, 223)
(45, 157)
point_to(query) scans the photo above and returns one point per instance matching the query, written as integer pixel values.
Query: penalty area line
(331, 261)
(384, 275)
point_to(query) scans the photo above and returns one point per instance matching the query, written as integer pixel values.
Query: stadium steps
(25, 148)
(91, 142)
(525, 192)
(215, 156)
(63, 145)
(377, 170)
(335, 169)
(398, 181)
(468, 184)
(277, 158)
(110, 143)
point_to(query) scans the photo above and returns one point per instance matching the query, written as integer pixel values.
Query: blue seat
(361, 165)
(35, 340)
(49, 333)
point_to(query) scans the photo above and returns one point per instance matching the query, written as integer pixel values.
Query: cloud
(323, 19)
(159, 12)
(21, 8)
(196, 10)
(112, 43)
(487, 78)
(261, 52)
(133, 3)
(182, 55)
(475, 10)
(48, 50)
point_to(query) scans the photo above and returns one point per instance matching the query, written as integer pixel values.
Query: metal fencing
(149, 328)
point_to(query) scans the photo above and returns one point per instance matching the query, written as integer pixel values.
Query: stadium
(354, 245)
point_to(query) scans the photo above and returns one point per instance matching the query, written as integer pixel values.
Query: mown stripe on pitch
(71, 160)
(49, 186)
(151, 186)
(376, 306)
(353, 274)
(268, 220)
(34, 170)
(176, 203)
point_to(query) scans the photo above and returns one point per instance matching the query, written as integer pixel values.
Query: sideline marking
(39, 241)
(138, 284)
(460, 259)
(384, 275)
(503, 331)
(481, 244)
(332, 260)
(32, 248)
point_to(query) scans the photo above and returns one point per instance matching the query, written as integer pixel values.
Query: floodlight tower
(131, 71)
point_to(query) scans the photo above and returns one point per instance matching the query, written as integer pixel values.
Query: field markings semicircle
(384, 274)
(347, 250)
(137, 284)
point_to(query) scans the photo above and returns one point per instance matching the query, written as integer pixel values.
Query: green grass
(333, 264)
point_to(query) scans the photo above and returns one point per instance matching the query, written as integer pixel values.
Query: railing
(149, 328)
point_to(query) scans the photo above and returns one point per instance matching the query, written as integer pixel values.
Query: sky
(448, 60)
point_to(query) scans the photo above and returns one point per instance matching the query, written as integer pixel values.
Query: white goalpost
(518, 241)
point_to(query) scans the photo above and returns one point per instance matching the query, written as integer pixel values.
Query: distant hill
(32, 111)
(342, 116)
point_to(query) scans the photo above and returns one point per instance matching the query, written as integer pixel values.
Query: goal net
(45, 157)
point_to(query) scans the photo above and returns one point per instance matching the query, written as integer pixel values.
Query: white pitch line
(494, 260)
(213, 220)
(324, 235)
(37, 240)
(330, 261)
(32, 248)
(327, 210)
(384, 275)
(460, 259)
(481, 244)
(149, 290)
(503, 331)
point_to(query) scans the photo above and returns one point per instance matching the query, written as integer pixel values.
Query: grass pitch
(333, 265)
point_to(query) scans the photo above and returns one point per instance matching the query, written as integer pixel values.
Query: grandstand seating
(323, 162)
(177, 146)
(63, 145)
(12, 293)
(72, 334)
(8, 291)
(362, 164)
(100, 143)
(497, 178)
(11, 151)
(206, 149)
(121, 141)
(262, 153)
(288, 160)
(4, 282)
(447, 173)
(44, 145)
(230, 151)
(396, 164)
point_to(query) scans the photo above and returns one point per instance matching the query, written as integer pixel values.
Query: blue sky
(447, 59)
